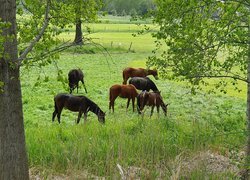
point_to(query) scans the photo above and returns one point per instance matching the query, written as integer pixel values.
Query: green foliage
(204, 39)
(61, 17)
(141, 7)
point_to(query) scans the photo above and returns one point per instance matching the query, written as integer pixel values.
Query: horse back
(134, 72)
(75, 75)
(154, 99)
(70, 102)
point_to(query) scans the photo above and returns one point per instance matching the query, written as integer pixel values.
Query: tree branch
(220, 76)
(39, 36)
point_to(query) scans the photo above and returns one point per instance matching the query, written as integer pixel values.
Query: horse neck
(149, 72)
(94, 108)
(152, 86)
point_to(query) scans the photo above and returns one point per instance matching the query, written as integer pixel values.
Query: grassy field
(195, 123)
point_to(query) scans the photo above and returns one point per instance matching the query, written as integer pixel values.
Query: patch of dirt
(211, 162)
(38, 175)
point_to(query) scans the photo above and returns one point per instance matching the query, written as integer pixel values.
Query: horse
(143, 83)
(80, 104)
(123, 91)
(74, 76)
(151, 99)
(138, 72)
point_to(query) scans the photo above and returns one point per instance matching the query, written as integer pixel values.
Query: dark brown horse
(143, 83)
(123, 91)
(79, 104)
(151, 99)
(74, 76)
(137, 72)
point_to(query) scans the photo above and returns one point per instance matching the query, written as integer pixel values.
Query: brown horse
(79, 104)
(151, 99)
(123, 91)
(74, 76)
(137, 72)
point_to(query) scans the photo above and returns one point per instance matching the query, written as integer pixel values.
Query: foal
(123, 91)
(74, 76)
(79, 104)
(151, 99)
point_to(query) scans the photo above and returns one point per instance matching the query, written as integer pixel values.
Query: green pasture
(194, 123)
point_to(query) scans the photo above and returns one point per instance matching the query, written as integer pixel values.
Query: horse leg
(152, 110)
(54, 113)
(84, 85)
(59, 115)
(79, 116)
(128, 103)
(138, 105)
(85, 117)
(125, 78)
(112, 103)
(158, 110)
(133, 103)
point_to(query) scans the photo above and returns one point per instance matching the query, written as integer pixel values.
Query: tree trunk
(246, 173)
(78, 35)
(13, 157)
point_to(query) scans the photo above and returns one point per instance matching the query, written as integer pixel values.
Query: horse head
(153, 72)
(101, 116)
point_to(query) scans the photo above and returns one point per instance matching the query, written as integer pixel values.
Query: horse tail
(138, 104)
(123, 75)
(56, 108)
(55, 111)
(110, 94)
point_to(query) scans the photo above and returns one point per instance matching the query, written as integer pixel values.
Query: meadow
(156, 147)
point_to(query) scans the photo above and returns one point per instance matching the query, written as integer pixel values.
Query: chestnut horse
(123, 91)
(137, 72)
(151, 99)
(74, 76)
(79, 104)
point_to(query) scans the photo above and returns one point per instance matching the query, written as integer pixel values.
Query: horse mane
(154, 87)
(93, 107)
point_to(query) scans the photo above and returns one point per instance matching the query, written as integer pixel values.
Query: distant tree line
(127, 7)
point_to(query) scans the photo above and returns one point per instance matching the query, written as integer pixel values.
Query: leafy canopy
(61, 15)
(202, 38)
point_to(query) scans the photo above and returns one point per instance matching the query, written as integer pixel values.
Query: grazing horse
(151, 99)
(79, 104)
(123, 91)
(143, 83)
(137, 72)
(74, 76)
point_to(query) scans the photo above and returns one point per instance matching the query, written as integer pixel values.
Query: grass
(194, 122)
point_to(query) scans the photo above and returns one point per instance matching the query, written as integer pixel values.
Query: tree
(37, 34)
(205, 39)
(13, 157)
(85, 11)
